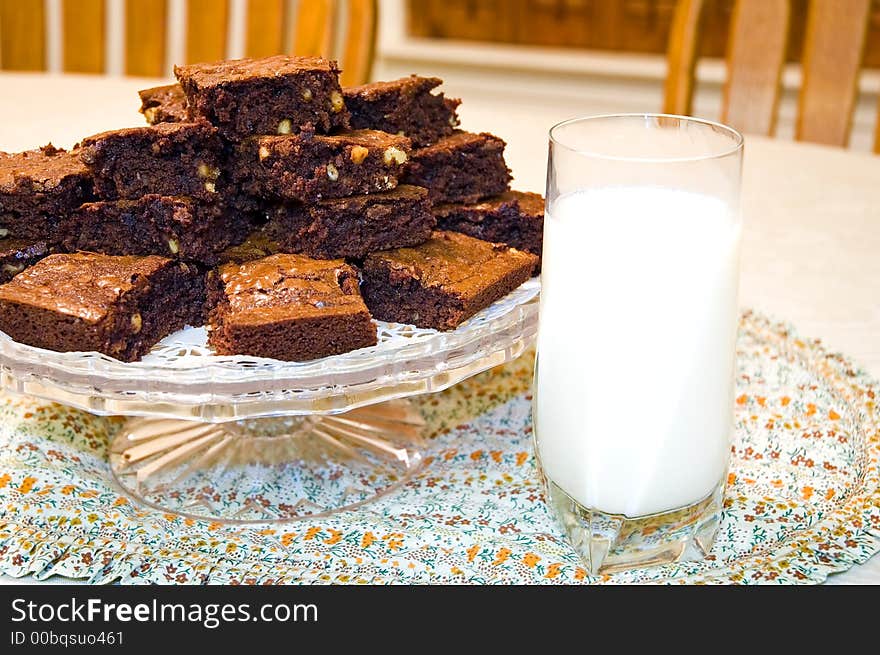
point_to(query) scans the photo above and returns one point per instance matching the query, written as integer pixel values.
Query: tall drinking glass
(633, 402)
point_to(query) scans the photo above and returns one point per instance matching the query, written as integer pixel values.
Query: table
(811, 241)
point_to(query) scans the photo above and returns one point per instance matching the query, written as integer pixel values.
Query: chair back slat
(140, 37)
(206, 30)
(22, 35)
(833, 49)
(82, 25)
(265, 28)
(360, 42)
(877, 132)
(145, 37)
(684, 44)
(314, 28)
(756, 52)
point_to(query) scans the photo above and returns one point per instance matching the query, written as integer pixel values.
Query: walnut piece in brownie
(164, 104)
(464, 167)
(354, 226)
(38, 188)
(257, 245)
(309, 167)
(17, 254)
(287, 307)
(442, 282)
(514, 218)
(177, 227)
(405, 106)
(274, 95)
(169, 159)
(119, 306)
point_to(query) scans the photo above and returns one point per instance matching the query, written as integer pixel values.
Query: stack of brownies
(263, 200)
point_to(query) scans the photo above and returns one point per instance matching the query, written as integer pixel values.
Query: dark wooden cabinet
(622, 25)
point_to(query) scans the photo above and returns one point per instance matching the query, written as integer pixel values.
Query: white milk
(634, 390)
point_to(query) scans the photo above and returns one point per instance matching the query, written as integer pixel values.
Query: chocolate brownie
(405, 106)
(257, 246)
(514, 218)
(442, 282)
(37, 188)
(119, 306)
(17, 254)
(287, 307)
(157, 225)
(164, 104)
(272, 95)
(464, 167)
(170, 159)
(355, 226)
(309, 166)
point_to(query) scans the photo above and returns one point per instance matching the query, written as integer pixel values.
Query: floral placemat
(803, 496)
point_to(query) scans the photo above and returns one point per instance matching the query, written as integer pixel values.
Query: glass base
(270, 469)
(612, 542)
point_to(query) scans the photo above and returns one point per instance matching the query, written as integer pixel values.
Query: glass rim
(736, 147)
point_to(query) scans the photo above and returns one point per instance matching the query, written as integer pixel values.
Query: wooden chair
(147, 37)
(757, 44)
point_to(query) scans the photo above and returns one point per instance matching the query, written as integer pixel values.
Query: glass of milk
(633, 399)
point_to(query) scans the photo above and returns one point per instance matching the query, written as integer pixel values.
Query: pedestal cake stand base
(268, 470)
(339, 431)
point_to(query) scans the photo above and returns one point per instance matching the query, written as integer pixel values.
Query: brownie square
(405, 106)
(464, 167)
(287, 307)
(442, 282)
(119, 306)
(38, 188)
(272, 95)
(157, 225)
(170, 159)
(308, 167)
(164, 104)
(354, 226)
(514, 218)
(17, 254)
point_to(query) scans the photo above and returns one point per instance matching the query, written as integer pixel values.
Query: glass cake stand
(250, 440)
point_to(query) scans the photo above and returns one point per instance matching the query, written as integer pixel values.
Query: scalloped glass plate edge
(498, 334)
